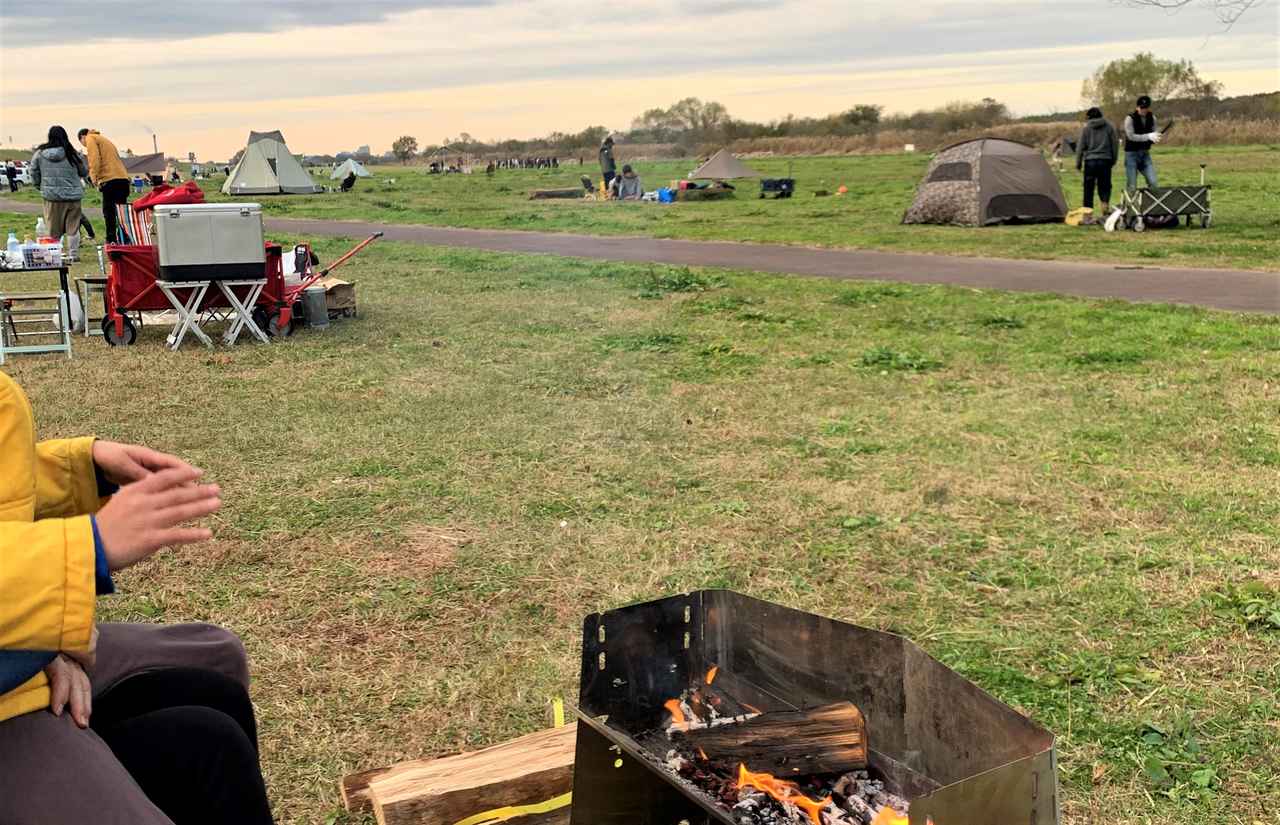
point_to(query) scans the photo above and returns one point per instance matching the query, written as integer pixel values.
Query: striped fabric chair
(135, 228)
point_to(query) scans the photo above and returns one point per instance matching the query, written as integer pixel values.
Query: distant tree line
(691, 123)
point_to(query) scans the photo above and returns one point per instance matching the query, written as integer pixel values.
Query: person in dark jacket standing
(57, 170)
(1140, 135)
(11, 175)
(608, 167)
(1096, 155)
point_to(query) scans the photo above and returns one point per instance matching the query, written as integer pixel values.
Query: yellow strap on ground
(513, 811)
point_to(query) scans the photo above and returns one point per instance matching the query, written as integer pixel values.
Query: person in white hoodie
(57, 170)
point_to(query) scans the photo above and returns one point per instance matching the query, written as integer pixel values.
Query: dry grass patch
(392, 549)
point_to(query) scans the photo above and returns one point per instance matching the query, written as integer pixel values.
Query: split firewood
(829, 739)
(525, 771)
(354, 788)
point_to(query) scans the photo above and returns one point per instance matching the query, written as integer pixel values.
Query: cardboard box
(339, 295)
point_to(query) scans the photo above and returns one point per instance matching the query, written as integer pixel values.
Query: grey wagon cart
(1141, 205)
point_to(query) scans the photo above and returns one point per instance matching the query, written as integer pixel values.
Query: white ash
(675, 762)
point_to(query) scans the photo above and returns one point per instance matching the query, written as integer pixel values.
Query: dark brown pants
(54, 773)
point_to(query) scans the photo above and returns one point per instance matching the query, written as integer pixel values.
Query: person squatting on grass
(111, 724)
(1139, 136)
(107, 172)
(57, 170)
(1096, 155)
(629, 187)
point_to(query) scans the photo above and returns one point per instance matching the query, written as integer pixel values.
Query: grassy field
(1071, 502)
(1246, 209)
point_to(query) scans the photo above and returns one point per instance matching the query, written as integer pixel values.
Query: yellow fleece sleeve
(66, 483)
(47, 584)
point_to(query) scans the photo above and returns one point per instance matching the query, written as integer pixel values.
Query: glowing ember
(711, 674)
(703, 754)
(788, 792)
(888, 816)
(673, 707)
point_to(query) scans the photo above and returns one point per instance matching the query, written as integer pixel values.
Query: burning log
(829, 739)
(526, 771)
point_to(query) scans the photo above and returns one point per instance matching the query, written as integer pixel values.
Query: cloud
(715, 8)
(37, 22)
(501, 68)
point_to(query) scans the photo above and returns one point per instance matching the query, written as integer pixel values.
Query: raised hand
(153, 513)
(126, 463)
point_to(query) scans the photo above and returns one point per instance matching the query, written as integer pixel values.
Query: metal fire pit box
(958, 755)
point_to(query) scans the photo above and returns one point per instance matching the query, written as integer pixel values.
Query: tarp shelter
(988, 181)
(145, 165)
(268, 168)
(347, 167)
(723, 166)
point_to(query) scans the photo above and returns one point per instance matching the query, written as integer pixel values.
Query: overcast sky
(336, 75)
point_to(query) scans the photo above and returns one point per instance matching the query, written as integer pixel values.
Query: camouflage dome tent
(988, 181)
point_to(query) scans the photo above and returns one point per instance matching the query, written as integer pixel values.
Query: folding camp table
(239, 313)
(64, 316)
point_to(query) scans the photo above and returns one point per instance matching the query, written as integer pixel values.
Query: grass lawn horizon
(1245, 199)
(1071, 502)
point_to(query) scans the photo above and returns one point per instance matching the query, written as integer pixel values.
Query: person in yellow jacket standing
(114, 724)
(107, 172)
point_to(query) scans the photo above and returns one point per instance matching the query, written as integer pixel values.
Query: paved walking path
(1232, 289)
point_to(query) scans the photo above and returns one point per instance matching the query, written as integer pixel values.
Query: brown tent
(723, 166)
(988, 181)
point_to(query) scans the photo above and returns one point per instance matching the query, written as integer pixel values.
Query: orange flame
(888, 816)
(673, 707)
(703, 754)
(711, 674)
(784, 791)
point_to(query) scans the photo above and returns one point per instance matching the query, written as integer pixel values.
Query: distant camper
(1095, 155)
(608, 166)
(1140, 134)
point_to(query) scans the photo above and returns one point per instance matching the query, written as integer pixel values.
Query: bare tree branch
(1227, 11)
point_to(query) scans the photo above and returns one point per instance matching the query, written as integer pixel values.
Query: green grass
(1071, 502)
(1246, 202)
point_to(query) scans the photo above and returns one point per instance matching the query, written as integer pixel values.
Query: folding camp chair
(135, 228)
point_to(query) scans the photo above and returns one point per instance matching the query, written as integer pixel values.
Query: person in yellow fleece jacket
(159, 729)
(107, 172)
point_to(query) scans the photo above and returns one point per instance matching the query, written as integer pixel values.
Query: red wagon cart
(134, 286)
(278, 316)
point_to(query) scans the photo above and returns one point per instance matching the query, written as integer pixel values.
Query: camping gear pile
(268, 168)
(338, 298)
(719, 169)
(986, 182)
(199, 246)
(211, 264)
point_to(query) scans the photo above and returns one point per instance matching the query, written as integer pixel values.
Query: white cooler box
(210, 242)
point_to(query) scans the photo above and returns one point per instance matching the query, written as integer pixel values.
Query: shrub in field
(660, 283)
(890, 359)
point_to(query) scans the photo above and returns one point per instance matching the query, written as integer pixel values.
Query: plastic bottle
(42, 229)
(13, 247)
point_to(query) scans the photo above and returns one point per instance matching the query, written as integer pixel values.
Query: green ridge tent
(268, 168)
(347, 166)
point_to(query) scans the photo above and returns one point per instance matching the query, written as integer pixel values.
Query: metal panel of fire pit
(960, 756)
